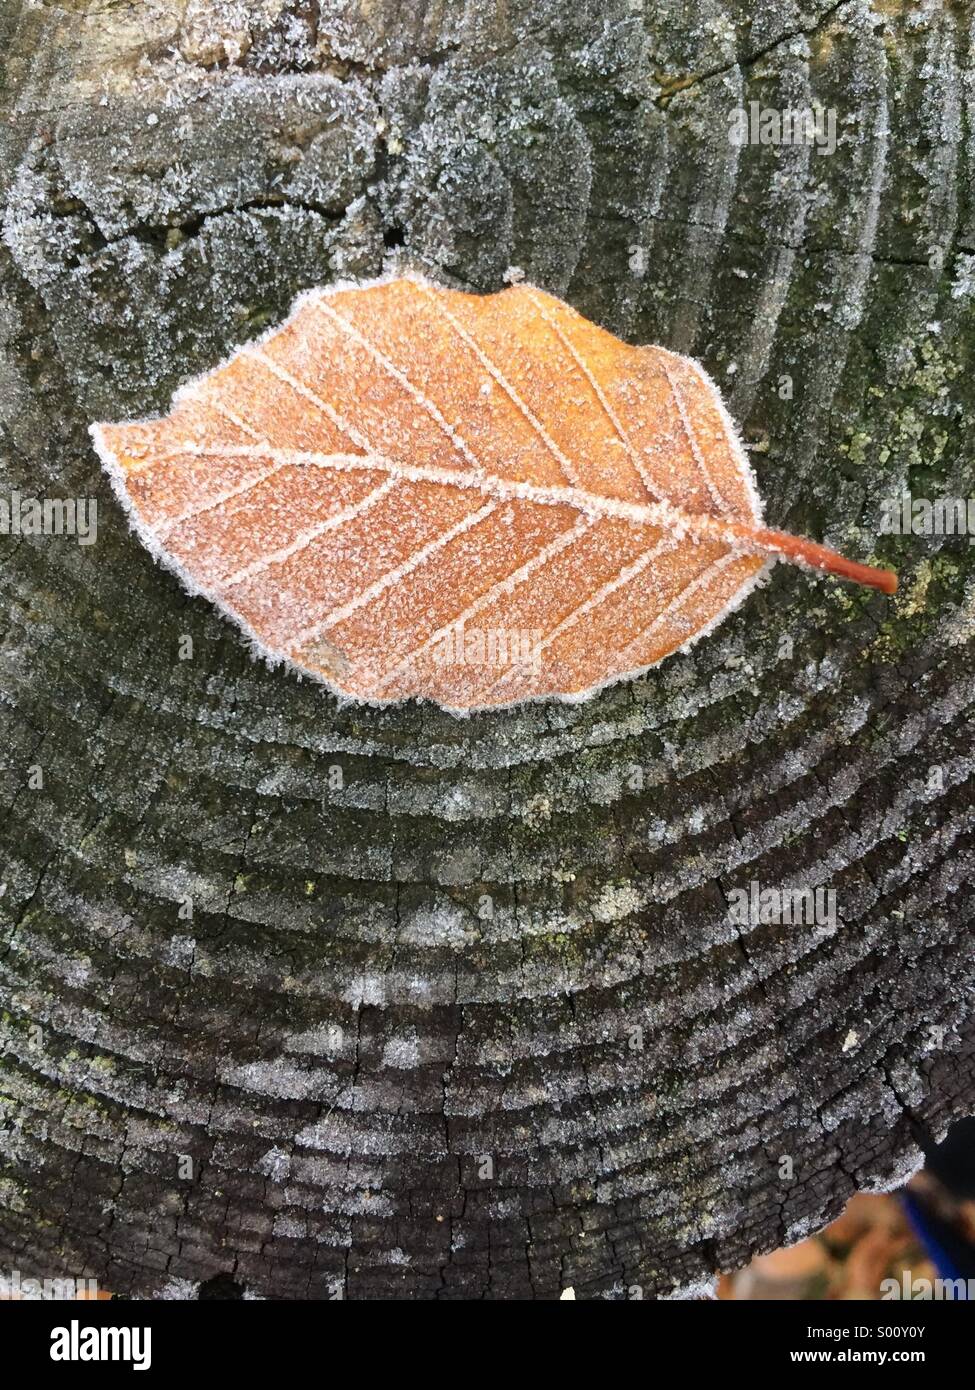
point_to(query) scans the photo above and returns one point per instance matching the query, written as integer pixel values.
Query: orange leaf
(409, 491)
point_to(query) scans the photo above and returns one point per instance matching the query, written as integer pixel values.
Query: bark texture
(468, 1017)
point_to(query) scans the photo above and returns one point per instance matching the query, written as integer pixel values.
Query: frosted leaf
(350, 495)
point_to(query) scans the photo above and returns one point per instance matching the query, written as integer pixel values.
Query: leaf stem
(820, 557)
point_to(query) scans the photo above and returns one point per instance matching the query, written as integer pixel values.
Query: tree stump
(312, 1001)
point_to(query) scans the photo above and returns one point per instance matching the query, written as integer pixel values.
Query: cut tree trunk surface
(310, 1000)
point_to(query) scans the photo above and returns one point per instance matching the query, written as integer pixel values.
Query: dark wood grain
(504, 938)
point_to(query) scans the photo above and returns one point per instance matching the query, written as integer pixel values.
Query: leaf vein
(453, 435)
(564, 462)
(391, 577)
(601, 397)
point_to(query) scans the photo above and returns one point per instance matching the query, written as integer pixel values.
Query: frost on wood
(417, 942)
(409, 491)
